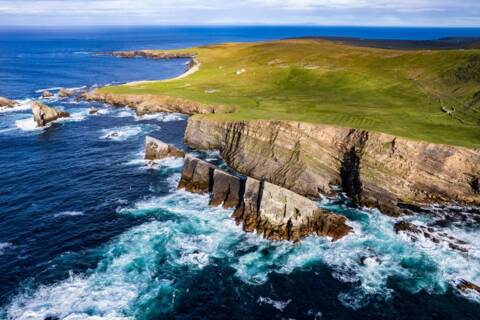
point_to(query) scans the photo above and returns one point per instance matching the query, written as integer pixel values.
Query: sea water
(88, 230)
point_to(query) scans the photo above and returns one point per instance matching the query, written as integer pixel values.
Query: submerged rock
(93, 111)
(157, 150)
(43, 114)
(64, 93)
(280, 214)
(47, 94)
(7, 103)
(414, 232)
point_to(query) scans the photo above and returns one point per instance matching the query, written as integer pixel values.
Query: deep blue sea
(89, 231)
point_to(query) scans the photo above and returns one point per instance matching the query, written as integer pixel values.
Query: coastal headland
(394, 129)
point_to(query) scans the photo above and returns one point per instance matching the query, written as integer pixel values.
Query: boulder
(93, 111)
(7, 103)
(280, 214)
(47, 94)
(197, 175)
(465, 286)
(43, 114)
(64, 93)
(156, 150)
(226, 190)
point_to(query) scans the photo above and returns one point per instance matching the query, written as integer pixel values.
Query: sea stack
(43, 114)
(157, 150)
(272, 211)
(7, 103)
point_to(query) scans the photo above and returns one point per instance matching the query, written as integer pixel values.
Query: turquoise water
(89, 231)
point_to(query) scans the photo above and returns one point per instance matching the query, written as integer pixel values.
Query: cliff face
(374, 169)
(145, 104)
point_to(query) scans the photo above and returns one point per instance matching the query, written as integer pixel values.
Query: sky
(457, 13)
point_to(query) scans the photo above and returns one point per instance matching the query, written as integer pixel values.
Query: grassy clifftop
(422, 95)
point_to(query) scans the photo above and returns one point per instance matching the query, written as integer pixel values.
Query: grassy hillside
(397, 92)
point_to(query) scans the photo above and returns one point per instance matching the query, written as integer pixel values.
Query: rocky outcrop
(47, 94)
(272, 211)
(374, 169)
(280, 214)
(65, 93)
(157, 150)
(465, 286)
(43, 114)
(414, 232)
(149, 54)
(7, 103)
(197, 175)
(146, 104)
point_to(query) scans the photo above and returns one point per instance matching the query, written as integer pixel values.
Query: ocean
(89, 231)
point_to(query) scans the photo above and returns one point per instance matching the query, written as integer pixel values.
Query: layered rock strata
(374, 169)
(43, 114)
(272, 211)
(157, 150)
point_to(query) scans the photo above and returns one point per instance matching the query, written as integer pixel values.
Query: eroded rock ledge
(374, 169)
(272, 211)
(145, 104)
(157, 150)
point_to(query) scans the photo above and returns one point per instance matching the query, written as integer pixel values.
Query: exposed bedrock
(43, 114)
(157, 150)
(272, 211)
(7, 103)
(145, 104)
(374, 169)
(65, 93)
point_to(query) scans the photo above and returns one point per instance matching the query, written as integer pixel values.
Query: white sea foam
(4, 246)
(162, 116)
(48, 89)
(279, 305)
(22, 105)
(29, 124)
(125, 114)
(120, 133)
(68, 214)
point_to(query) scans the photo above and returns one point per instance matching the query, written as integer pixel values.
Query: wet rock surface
(465, 286)
(43, 114)
(7, 103)
(274, 212)
(156, 149)
(47, 94)
(415, 232)
(65, 93)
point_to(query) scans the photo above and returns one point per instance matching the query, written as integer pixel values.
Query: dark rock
(227, 190)
(157, 150)
(464, 286)
(93, 111)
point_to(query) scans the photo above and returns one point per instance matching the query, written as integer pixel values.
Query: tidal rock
(47, 94)
(465, 286)
(7, 103)
(280, 214)
(93, 111)
(156, 149)
(227, 190)
(415, 232)
(64, 93)
(197, 175)
(43, 114)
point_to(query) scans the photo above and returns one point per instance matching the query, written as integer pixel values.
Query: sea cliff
(374, 169)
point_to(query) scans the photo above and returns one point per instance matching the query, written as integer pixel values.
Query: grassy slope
(397, 92)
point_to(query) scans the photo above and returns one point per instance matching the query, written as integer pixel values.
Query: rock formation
(43, 114)
(465, 286)
(374, 169)
(64, 93)
(47, 94)
(93, 111)
(414, 232)
(270, 210)
(280, 214)
(7, 103)
(146, 104)
(157, 150)
(150, 54)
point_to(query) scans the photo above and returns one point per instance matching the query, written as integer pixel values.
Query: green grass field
(312, 80)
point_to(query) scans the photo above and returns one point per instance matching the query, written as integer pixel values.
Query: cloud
(205, 12)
